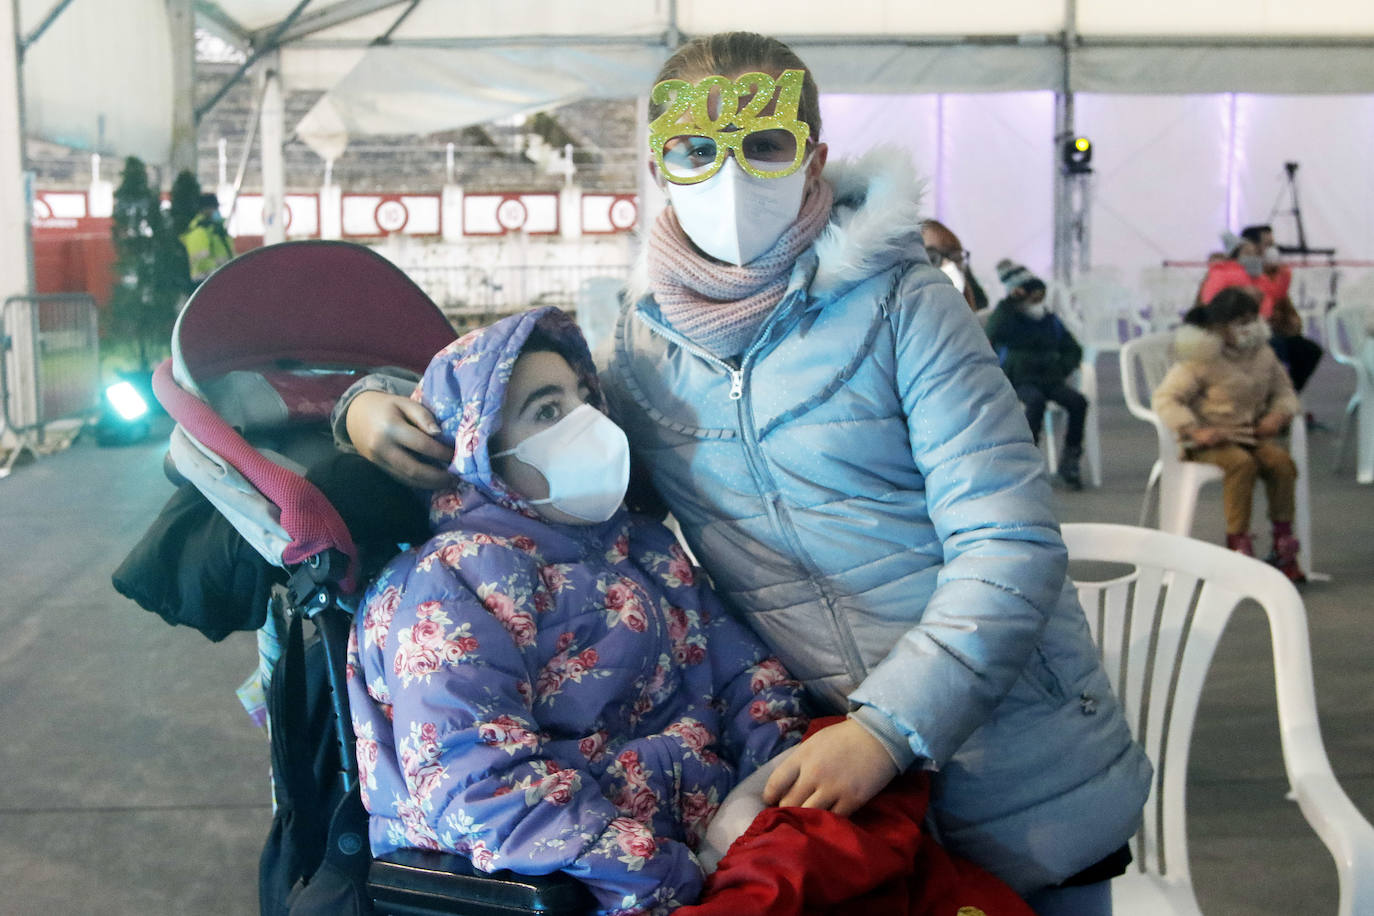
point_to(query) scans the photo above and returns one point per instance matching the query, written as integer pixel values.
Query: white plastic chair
(1085, 381)
(1060, 301)
(1157, 626)
(1350, 344)
(1144, 363)
(1311, 292)
(1167, 293)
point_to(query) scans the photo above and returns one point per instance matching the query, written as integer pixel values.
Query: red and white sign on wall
(371, 215)
(603, 214)
(302, 216)
(497, 214)
(58, 209)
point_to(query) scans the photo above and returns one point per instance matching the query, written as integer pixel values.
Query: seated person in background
(1227, 399)
(1298, 354)
(1253, 263)
(547, 683)
(1038, 355)
(947, 255)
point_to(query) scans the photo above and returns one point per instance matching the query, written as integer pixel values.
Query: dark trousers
(1035, 398)
(1298, 355)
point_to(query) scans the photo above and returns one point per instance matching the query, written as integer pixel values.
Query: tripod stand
(1302, 249)
(1290, 190)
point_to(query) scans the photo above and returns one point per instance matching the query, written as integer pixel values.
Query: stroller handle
(310, 520)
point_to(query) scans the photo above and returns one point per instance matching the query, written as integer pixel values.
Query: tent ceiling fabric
(423, 90)
(100, 77)
(101, 73)
(449, 63)
(1200, 69)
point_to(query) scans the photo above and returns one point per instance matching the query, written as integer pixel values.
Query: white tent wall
(1170, 172)
(100, 76)
(1332, 138)
(1161, 169)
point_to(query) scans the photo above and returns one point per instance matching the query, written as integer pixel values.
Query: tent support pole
(48, 20)
(182, 21)
(16, 235)
(1064, 131)
(16, 245)
(273, 167)
(272, 44)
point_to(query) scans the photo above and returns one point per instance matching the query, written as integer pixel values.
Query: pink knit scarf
(720, 306)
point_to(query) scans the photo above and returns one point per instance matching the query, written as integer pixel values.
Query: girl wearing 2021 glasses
(823, 415)
(825, 419)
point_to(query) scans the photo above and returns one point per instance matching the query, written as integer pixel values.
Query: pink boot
(1241, 544)
(1285, 555)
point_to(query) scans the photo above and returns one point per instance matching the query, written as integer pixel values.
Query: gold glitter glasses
(690, 146)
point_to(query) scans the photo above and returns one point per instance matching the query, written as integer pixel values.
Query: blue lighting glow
(126, 401)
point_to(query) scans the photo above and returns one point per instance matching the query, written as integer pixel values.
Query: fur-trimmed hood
(875, 223)
(1195, 344)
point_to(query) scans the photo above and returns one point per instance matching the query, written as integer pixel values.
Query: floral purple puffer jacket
(543, 697)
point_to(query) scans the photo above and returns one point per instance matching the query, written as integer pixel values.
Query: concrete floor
(135, 784)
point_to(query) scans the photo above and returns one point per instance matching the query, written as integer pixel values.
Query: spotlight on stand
(124, 416)
(1078, 155)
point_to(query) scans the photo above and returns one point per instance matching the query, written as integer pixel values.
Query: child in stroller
(343, 310)
(260, 354)
(547, 683)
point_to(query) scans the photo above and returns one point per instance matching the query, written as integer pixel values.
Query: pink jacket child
(540, 696)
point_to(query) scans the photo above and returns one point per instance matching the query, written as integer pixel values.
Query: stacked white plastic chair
(1167, 293)
(1311, 293)
(1144, 363)
(1350, 344)
(1157, 626)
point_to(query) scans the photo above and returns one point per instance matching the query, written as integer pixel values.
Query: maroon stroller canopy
(319, 302)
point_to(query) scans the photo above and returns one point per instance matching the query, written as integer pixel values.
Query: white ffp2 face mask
(1250, 335)
(585, 458)
(955, 273)
(735, 217)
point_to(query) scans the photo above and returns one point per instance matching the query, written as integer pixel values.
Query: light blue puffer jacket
(863, 488)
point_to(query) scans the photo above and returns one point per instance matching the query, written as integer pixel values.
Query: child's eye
(548, 411)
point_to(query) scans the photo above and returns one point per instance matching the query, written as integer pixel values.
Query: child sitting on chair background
(1228, 398)
(547, 683)
(1038, 355)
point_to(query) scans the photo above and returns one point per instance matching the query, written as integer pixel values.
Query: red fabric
(306, 515)
(319, 302)
(1224, 274)
(807, 862)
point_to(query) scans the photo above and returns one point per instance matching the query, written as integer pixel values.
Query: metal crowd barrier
(472, 296)
(49, 367)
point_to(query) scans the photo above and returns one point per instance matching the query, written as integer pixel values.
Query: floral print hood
(465, 386)
(542, 697)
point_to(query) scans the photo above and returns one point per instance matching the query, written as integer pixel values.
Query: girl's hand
(1207, 436)
(397, 434)
(837, 769)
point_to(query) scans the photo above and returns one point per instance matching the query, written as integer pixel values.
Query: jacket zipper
(667, 333)
(772, 502)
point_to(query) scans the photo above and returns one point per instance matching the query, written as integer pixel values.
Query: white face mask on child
(1249, 336)
(585, 458)
(1035, 311)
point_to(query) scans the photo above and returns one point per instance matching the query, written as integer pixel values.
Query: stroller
(260, 354)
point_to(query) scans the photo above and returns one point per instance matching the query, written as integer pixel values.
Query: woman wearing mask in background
(1255, 265)
(823, 415)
